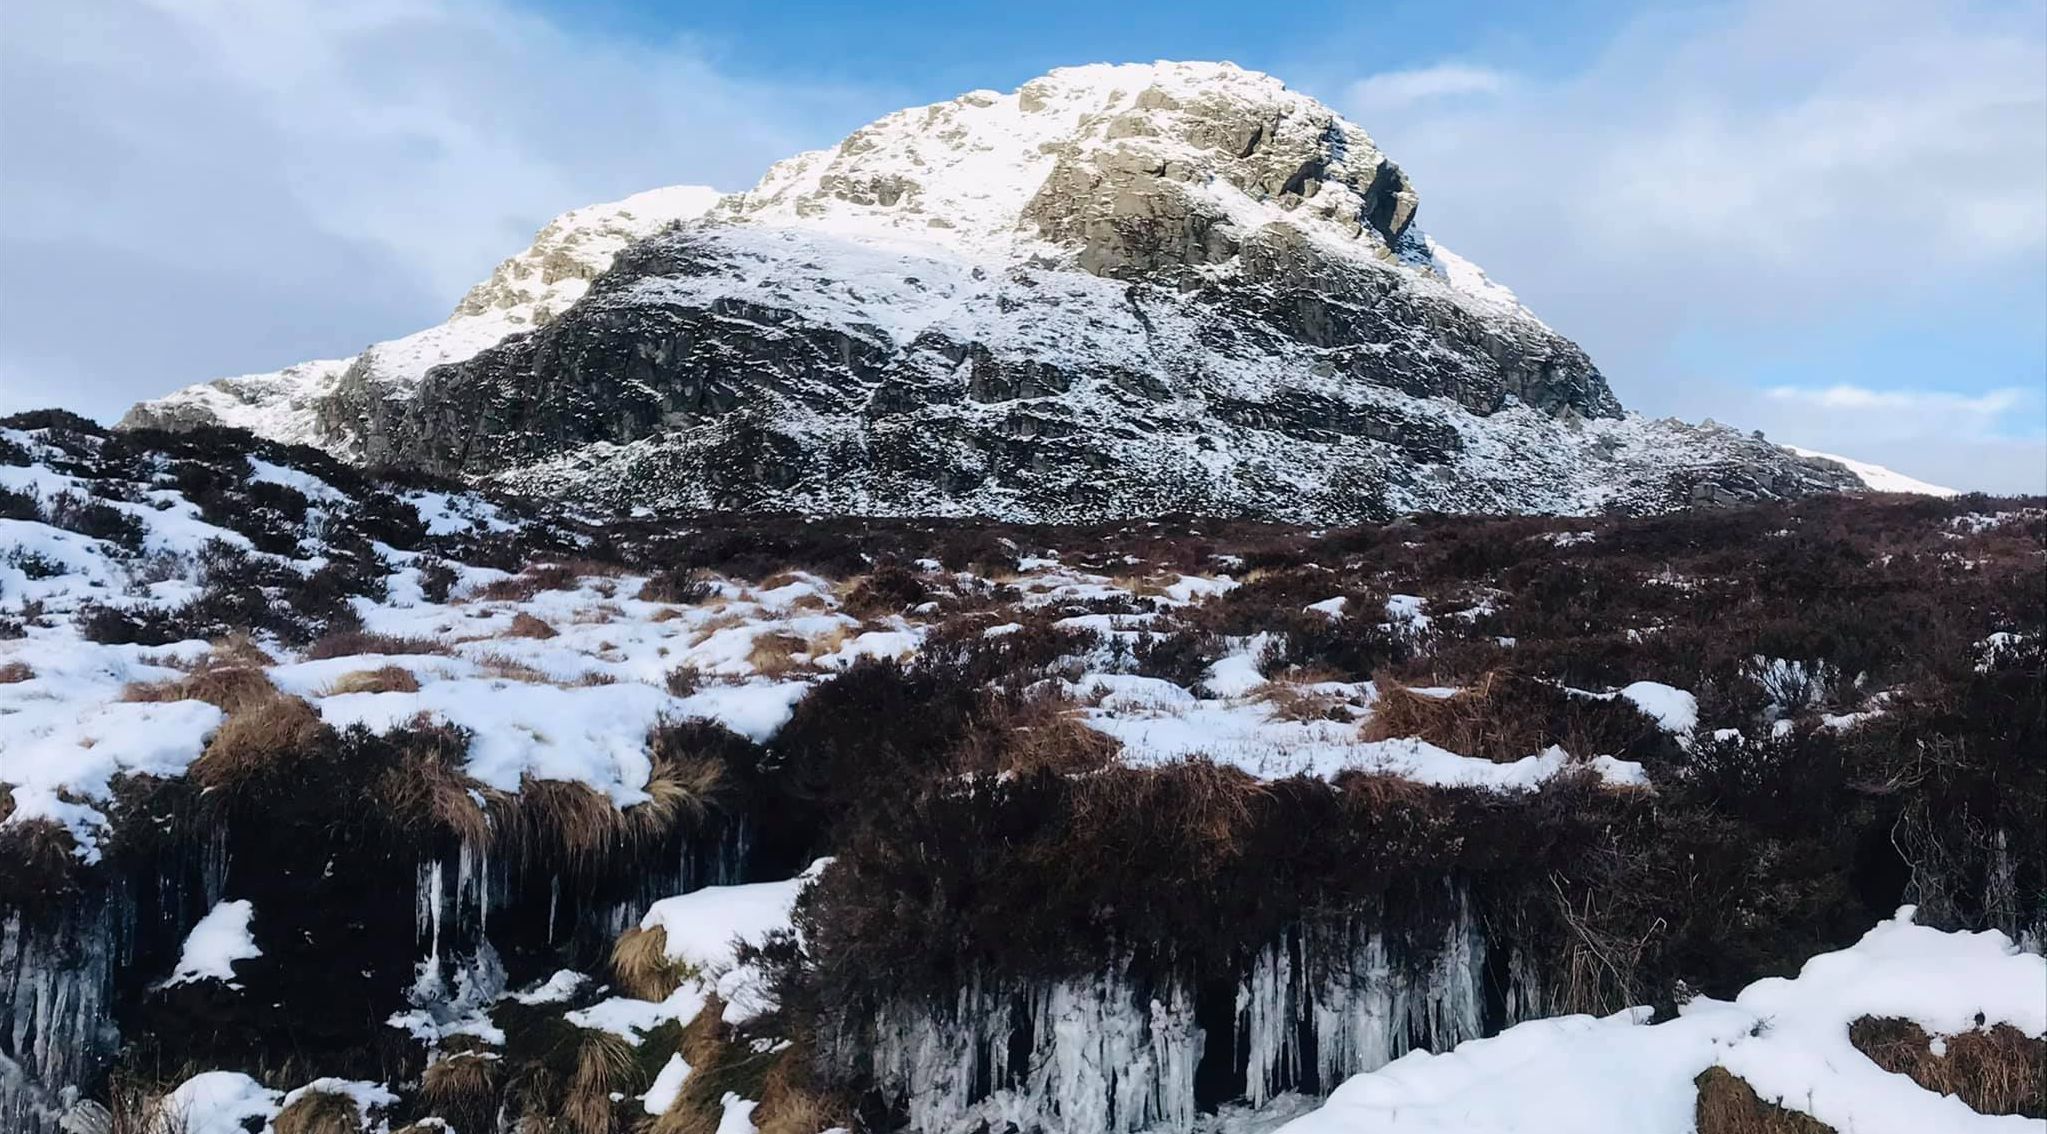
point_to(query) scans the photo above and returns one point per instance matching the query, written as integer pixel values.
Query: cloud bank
(1724, 175)
(206, 187)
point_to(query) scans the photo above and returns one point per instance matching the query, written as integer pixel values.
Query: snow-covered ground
(1787, 1038)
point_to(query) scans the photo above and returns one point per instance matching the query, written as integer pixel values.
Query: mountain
(1114, 291)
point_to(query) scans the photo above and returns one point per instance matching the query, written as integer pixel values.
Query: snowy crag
(1116, 291)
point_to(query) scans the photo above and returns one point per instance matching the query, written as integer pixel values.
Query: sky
(1826, 220)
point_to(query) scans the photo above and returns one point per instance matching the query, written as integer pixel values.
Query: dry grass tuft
(1998, 1070)
(230, 688)
(1291, 699)
(525, 625)
(684, 680)
(461, 1085)
(319, 1112)
(562, 817)
(255, 738)
(349, 643)
(510, 668)
(604, 1066)
(15, 672)
(518, 588)
(1505, 717)
(640, 964)
(428, 789)
(1040, 732)
(681, 788)
(792, 1103)
(383, 679)
(1727, 1105)
(774, 654)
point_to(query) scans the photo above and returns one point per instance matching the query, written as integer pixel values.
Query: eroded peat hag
(391, 804)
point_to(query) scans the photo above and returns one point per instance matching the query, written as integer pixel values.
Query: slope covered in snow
(1877, 478)
(1183, 275)
(1162, 826)
(298, 404)
(1787, 1038)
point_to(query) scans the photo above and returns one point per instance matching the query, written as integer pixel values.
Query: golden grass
(545, 577)
(640, 964)
(230, 688)
(348, 643)
(680, 788)
(791, 1103)
(254, 738)
(383, 679)
(1042, 732)
(428, 788)
(510, 668)
(462, 1083)
(319, 1112)
(525, 625)
(1997, 1070)
(15, 672)
(1727, 1105)
(774, 654)
(604, 1065)
(1290, 698)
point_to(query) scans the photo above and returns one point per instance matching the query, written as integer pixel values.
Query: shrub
(889, 589)
(96, 519)
(15, 672)
(19, 505)
(680, 587)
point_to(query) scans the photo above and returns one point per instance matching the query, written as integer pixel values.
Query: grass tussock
(461, 1083)
(319, 1112)
(519, 588)
(1041, 731)
(230, 688)
(259, 740)
(1727, 1105)
(775, 654)
(1292, 697)
(383, 679)
(1503, 717)
(1998, 1070)
(427, 790)
(348, 643)
(525, 625)
(15, 672)
(641, 966)
(605, 1065)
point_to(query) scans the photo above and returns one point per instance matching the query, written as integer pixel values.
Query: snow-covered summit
(1185, 275)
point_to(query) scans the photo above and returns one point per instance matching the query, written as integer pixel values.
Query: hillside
(336, 802)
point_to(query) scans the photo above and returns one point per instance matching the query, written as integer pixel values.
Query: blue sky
(1825, 219)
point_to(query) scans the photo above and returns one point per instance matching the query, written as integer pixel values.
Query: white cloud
(1740, 172)
(1984, 410)
(1394, 90)
(202, 187)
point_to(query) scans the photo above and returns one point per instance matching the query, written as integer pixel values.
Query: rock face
(1115, 291)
